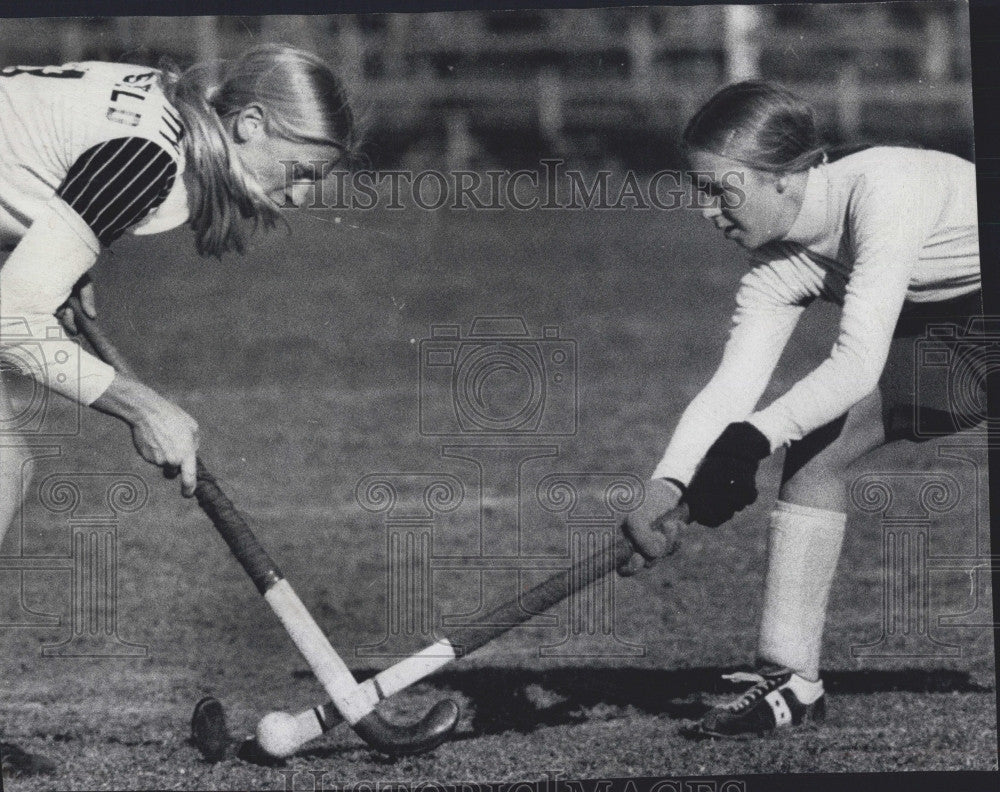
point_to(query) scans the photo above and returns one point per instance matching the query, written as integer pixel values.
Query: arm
(768, 308)
(162, 432)
(103, 194)
(885, 227)
(35, 280)
(109, 188)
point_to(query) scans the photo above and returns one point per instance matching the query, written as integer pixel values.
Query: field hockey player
(890, 235)
(89, 151)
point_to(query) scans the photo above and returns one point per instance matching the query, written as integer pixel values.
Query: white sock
(803, 549)
(805, 691)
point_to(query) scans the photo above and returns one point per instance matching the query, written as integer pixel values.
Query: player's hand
(651, 528)
(725, 482)
(167, 436)
(162, 432)
(84, 290)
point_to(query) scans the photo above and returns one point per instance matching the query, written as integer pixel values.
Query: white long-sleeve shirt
(875, 229)
(87, 151)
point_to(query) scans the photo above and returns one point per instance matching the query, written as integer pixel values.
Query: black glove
(725, 482)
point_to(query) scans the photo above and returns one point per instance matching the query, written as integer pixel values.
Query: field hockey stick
(352, 702)
(280, 734)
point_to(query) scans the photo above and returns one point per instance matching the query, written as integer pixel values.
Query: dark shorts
(934, 381)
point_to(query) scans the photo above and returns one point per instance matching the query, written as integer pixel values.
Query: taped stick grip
(615, 550)
(351, 701)
(224, 516)
(235, 531)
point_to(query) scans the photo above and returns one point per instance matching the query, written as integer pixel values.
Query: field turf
(301, 365)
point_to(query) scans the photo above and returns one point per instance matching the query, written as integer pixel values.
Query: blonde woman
(890, 235)
(89, 151)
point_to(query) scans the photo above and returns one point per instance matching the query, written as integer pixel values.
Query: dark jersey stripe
(117, 183)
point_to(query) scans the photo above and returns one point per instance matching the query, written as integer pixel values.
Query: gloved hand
(725, 482)
(651, 534)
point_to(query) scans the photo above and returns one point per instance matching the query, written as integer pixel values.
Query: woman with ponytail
(89, 151)
(303, 111)
(890, 235)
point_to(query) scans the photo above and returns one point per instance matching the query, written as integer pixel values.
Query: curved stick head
(424, 735)
(209, 733)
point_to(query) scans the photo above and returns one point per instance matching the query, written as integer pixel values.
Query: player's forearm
(846, 377)
(35, 344)
(127, 399)
(34, 281)
(874, 299)
(705, 417)
(751, 354)
(826, 394)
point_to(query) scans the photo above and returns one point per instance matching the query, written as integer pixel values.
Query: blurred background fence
(503, 88)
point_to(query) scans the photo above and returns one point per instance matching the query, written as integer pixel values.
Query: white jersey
(88, 151)
(51, 117)
(876, 229)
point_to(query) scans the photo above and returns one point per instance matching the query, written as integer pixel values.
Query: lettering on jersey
(126, 97)
(147, 78)
(126, 117)
(131, 84)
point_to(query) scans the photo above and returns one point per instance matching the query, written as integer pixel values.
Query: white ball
(276, 734)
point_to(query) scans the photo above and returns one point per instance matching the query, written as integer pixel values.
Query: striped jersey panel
(115, 184)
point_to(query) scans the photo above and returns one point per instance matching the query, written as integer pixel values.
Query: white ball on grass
(276, 734)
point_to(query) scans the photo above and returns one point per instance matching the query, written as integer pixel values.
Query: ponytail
(304, 101)
(226, 209)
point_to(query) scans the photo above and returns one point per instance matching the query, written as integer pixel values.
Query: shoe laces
(761, 686)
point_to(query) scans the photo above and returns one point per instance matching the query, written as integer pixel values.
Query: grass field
(301, 365)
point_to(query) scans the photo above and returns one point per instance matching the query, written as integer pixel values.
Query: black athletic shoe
(769, 705)
(209, 733)
(18, 763)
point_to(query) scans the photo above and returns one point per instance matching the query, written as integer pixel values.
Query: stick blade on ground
(209, 733)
